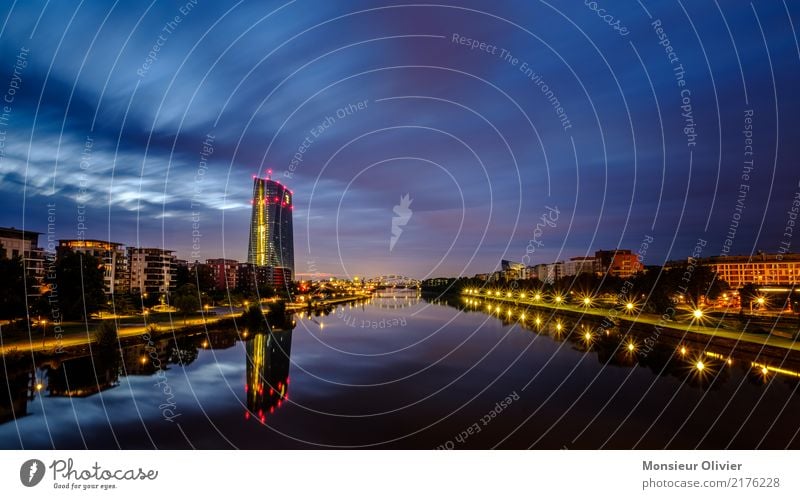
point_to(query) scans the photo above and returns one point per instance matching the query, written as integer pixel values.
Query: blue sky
(468, 134)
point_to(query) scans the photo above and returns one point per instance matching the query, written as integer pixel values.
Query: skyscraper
(271, 234)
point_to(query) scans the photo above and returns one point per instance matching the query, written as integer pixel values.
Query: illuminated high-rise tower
(271, 235)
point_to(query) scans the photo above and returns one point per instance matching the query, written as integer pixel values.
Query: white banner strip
(401, 474)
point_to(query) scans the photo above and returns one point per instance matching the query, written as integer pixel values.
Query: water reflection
(701, 361)
(268, 363)
(85, 371)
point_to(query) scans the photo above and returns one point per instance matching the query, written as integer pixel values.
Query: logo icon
(31, 472)
(403, 212)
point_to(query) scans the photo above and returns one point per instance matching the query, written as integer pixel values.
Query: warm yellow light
(522, 296)
(558, 299)
(587, 301)
(683, 350)
(39, 387)
(760, 300)
(631, 347)
(764, 370)
(522, 317)
(497, 293)
(629, 306)
(143, 360)
(588, 336)
(558, 326)
(697, 313)
(497, 308)
(508, 295)
(537, 296)
(700, 366)
(538, 321)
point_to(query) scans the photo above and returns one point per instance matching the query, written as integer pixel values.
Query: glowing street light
(587, 301)
(537, 297)
(697, 313)
(760, 300)
(558, 299)
(629, 307)
(631, 347)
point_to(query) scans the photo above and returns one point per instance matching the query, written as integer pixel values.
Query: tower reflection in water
(267, 385)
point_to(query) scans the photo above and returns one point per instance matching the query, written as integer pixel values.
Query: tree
(123, 304)
(80, 285)
(704, 282)
(186, 300)
(182, 276)
(748, 293)
(265, 290)
(12, 290)
(657, 289)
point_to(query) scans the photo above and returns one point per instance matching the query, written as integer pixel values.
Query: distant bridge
(394, 281)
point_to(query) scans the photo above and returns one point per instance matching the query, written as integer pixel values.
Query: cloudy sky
(627, 117)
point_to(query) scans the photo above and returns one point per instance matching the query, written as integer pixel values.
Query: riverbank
(84, 334)
(716, 330)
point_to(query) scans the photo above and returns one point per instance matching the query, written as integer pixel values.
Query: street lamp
(761, 301)
(44, 330)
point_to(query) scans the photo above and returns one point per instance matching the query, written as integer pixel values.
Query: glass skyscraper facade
(271, 233)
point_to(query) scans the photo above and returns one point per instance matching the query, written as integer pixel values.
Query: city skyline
(115, 142)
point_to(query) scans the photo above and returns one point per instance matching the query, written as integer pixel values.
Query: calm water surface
(401, 372)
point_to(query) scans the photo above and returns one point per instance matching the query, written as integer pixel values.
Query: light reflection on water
(400, 371)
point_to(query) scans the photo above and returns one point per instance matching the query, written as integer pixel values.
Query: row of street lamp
(587, 301)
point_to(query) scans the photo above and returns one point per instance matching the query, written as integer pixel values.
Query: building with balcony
(762, 269)
(116, 277)
(152, 270)
(618, 262)
(224, 271)
(25, 245)
(580, 265)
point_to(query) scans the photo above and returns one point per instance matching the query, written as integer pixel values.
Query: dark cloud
(467, 133)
